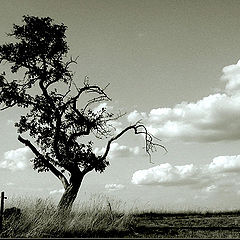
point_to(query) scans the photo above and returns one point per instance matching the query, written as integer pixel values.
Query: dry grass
(39, 219)
(101, 217)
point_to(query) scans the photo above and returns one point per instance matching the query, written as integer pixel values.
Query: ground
(188, 225)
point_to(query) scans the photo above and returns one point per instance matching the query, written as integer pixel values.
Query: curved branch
(57, 173)
(150, 145)
(89, 89)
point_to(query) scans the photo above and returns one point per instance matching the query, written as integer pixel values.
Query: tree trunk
(70, 194)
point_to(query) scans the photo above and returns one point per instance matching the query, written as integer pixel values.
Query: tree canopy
(57, 117)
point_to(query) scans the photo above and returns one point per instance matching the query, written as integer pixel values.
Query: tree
(54, 119)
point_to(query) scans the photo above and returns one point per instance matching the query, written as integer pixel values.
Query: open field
(104, 218)
(188, 225)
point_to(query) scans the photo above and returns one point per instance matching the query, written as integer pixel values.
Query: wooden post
(2, 209)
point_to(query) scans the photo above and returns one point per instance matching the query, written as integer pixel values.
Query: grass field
(104, 218)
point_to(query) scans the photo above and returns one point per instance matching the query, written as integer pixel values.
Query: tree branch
(57, 114)
(89, 89)
(57, 173)
(150, 146)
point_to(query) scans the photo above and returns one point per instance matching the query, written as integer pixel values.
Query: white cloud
(101, 106)
(202, 175)
(119, 151)
(123, 151)
(99, 151)
(166, 174)
(114, 187)
(136, 116)
(61, 191)
(213, 118)
(115, 124)
(231, 74)
(18, 159)
(225, 164)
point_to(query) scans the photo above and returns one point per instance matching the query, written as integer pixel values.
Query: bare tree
(57, 115)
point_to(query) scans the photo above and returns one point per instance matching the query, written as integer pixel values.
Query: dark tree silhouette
(58, 112)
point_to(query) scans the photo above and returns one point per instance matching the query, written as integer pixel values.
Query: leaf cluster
(53, 119)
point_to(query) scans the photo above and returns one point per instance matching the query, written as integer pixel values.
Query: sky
(173, 64)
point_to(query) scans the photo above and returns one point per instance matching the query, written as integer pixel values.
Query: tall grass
(101, 217)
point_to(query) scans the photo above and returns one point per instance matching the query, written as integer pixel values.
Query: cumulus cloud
(61, 191)
(213, 118)
(200, 175)
(136, 115)
(231, 74)
(168, 175)
(120, 151)
(18, 159)
(114, 187)
(225, 164)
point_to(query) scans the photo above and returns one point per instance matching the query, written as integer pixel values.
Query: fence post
(2, 209)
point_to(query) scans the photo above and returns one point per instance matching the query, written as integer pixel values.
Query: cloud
(114, 187)
(231, 74)
(61, 191)
(119, 151)
(18, 159)
(198, 176)
(168, 175)
(225, 164)
(211, 119)
(101, 106)
(114, 125)
(135, 116)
